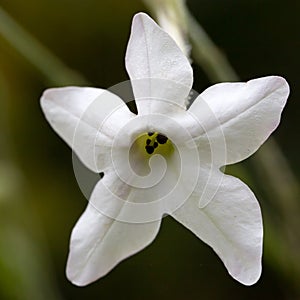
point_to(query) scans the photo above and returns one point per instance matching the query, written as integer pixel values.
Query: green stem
(207, 55)
(51, 67)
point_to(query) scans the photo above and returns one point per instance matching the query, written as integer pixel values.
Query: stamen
(149, 149)
(161, 139)
(151, 143)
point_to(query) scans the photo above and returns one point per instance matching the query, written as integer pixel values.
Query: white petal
(157, 67)
(232, 225)
(98, 242)
(246, 113)
(87, 119)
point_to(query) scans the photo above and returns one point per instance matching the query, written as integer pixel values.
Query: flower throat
(155, 143)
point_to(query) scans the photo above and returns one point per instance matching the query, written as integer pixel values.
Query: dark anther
(155, 144)
(150, 133)
(149, 149)
(161, 139)
(148, 142)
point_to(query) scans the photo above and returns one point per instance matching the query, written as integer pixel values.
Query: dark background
(41, 200)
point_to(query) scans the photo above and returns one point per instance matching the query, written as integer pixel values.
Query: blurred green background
(39, 197)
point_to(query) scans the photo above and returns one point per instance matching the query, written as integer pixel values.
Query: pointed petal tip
(281, 85)
(283, 82)
(48, 93)
(80, 278)
(278, 79)
(142, 16)
(277, 82)
(248, 279)
(78, 283)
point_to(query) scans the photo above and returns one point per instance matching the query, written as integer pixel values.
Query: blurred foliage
(39, 197)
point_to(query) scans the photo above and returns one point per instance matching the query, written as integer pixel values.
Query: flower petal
(99, 242)
(232, 225)
(87, 119)
(246, 113)
(157, 67)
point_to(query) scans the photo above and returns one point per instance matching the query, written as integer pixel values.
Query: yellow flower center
(154, 143)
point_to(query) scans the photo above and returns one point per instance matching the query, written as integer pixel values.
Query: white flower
(226, 124)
